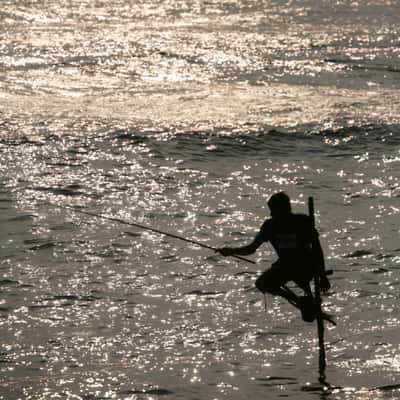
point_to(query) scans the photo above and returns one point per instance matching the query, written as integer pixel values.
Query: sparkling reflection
(186, 116)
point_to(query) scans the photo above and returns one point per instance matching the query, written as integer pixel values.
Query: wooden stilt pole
(318, 300)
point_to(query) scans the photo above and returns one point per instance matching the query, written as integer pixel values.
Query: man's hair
(279, 203)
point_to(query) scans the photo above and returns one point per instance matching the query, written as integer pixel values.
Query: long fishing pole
(144, 227)
(318, 300)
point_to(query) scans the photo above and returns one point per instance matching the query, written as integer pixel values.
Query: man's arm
(242, 251)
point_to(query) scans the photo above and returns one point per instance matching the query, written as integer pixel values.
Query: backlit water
(186, 116)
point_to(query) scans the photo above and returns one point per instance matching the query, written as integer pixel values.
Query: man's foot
(329, 318)
(308, 308)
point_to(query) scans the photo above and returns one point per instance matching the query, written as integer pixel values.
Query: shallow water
(186, 117)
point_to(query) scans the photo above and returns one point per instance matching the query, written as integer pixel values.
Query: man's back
(291, 236)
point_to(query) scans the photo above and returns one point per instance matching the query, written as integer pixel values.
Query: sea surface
(186, 116)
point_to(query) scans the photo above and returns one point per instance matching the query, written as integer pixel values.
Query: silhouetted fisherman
(299, 251)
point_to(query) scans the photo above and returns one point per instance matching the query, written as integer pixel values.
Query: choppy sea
(185, 116)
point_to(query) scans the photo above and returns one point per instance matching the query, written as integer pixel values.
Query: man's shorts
(279, 274)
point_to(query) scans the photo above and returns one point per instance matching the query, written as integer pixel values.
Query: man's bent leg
(273, 281)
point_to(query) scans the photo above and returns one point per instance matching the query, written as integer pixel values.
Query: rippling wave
(111, 304)
(185, 116)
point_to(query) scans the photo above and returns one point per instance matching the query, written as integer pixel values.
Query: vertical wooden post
(318, 300)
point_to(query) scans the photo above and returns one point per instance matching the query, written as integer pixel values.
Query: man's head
(279, 204)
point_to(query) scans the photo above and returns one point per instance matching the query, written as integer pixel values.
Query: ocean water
(185, 116)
